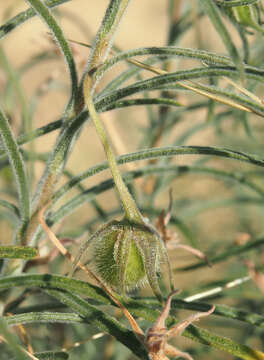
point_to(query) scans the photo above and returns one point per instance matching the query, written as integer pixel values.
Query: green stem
(103, 42)
(131, 211)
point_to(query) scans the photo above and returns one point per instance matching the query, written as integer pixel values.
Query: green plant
(214, 110)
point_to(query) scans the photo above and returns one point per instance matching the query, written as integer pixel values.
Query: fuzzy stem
(103, 43)
(131, 211)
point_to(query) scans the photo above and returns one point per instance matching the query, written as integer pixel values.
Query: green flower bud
(126, 255)
(247, 15)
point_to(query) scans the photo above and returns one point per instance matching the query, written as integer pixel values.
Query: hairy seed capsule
(246, 15)
(125, 255)
(108, 260)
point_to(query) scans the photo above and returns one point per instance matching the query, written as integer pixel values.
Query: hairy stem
(131, 211)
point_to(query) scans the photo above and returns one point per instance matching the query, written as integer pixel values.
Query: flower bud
(126, 255)
(246, 15)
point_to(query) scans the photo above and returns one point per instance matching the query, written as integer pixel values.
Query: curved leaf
(17, 165)
(214, 15)
(18, 252)
(56, 30)
(24, 16)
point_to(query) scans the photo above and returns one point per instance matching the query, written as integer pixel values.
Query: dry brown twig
(171, 238)
(157, 336)
(256, 276)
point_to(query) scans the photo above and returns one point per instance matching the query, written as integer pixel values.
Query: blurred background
(205, 214)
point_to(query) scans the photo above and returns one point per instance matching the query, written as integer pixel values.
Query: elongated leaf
(164, 152)
(56, 30)
(45, 317)
(232, 251)
(232, 3)
(53, 170)
(102, 321)
(208, 57)
(90, 193)
(170, 81)
(11, 207)
(176, 304)
(52, 355)
(224, 344)
(12, 341)
(203, 336)
(24, 16)
(214, 15)
(14, 80)
(178, 170)
(18, 252)
(17, 165)
(227, 97)
(141, 308)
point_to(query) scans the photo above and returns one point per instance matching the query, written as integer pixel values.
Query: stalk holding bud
(126, 253)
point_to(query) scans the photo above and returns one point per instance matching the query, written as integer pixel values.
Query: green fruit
(108, 262)
(127, 255)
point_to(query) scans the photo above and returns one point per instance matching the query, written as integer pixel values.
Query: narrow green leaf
(169, 81)
(232, 251)
(102, 321)
(144, 101)
(11, 207)
(56, 30)
(208, 57)
(18, 252)
(138, 308)
(12, 341)
(45, 317)
(167, 152)
(32, 135)
(214, 15)
(56, 282)
(17, 165)
(90, 193)
(54, 168)
(222, 95)
(178, 170)
(223, 343)
(14, 81)
(46, 129)
(232, 3)
(24, 16)
(52, 355)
